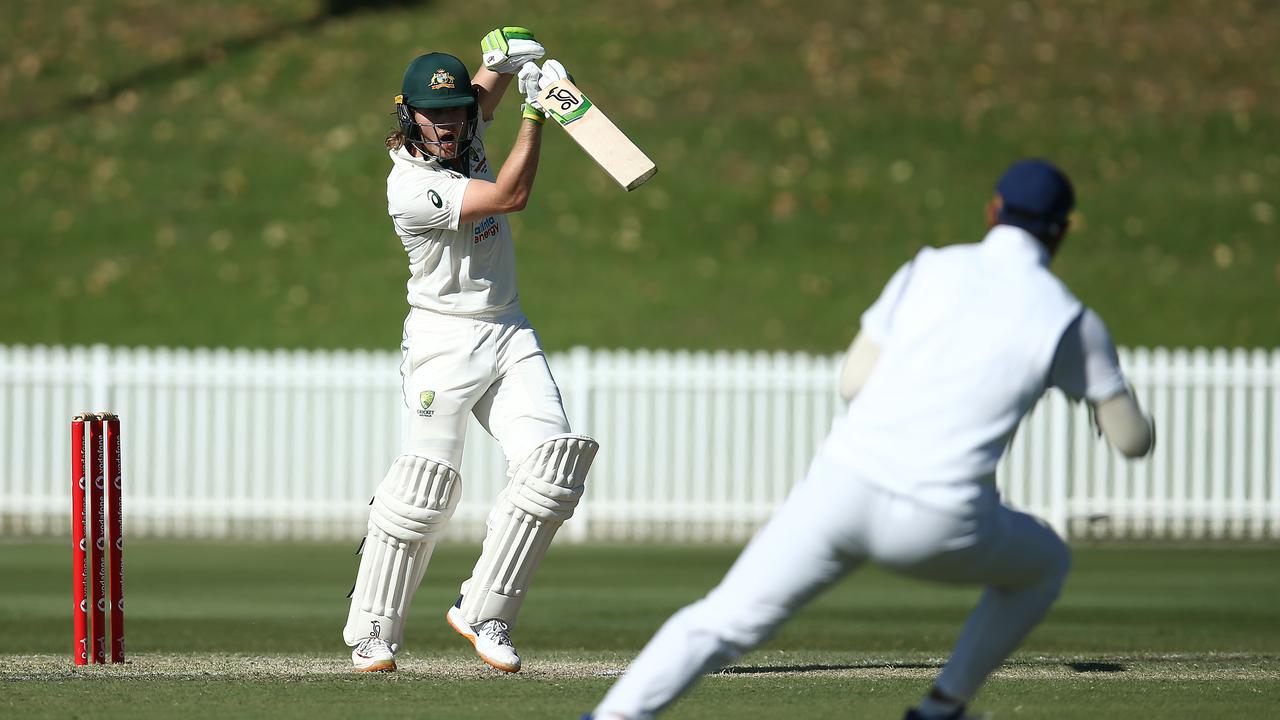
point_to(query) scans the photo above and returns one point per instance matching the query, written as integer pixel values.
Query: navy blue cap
(1035, 196)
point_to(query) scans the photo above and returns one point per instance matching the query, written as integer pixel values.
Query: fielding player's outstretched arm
(1087, 366)
(1126, 427)
(863, 353)
(857, 366)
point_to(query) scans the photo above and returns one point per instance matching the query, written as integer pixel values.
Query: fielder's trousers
(832, 523)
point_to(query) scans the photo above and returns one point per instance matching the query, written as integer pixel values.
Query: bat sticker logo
(566, 98)
(572, 106)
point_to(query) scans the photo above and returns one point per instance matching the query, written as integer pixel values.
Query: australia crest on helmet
(441, 79)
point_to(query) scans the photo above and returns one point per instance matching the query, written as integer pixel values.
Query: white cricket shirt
(455, 268)
(967, 337)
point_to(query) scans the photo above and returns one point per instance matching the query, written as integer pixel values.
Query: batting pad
(543, 492)
(410, 507)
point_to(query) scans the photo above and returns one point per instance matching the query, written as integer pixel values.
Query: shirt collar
(402, 154)
(1011, 241)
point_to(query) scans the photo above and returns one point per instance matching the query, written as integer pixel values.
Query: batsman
(467, 349)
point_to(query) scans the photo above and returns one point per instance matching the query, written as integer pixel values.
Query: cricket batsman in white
(960, 345)
(467, 350)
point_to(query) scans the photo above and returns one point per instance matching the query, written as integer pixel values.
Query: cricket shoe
(373, 655)
(491, 639)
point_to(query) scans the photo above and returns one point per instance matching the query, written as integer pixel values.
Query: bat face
(598, 136)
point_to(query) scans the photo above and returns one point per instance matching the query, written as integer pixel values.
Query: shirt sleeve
(878, 319)
(1086, 365)
(427, 201)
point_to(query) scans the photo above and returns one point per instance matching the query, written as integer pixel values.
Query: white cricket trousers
(492, 368)
(830, 524)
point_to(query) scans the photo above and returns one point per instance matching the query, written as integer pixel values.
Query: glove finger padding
(506, 49)
(529, 84)
(553, 70)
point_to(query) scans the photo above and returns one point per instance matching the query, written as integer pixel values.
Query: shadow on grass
(196, 60)
(1080, 667)
(760, 669)
(1096, 667)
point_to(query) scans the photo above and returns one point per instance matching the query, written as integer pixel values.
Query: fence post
(579, 402)
(1275, 444)
(100, 378)
(1059, 453)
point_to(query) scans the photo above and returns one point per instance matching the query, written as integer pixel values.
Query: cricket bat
(603, 141)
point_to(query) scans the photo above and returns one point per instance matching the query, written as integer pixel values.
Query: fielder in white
(960, 345)
(468, 349)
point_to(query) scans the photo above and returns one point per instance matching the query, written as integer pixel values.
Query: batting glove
(528, 82)
(506, 49)
(552, 71)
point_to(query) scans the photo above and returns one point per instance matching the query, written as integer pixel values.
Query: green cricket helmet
(437, 80)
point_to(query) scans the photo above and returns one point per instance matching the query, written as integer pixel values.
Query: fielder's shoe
(373, 655)
(491, 639)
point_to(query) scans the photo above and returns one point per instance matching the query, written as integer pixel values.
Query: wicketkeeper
(467, 350)
(960, 345)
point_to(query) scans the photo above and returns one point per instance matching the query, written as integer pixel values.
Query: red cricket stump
(97, 546)
(80, 606)
(97, 538)
(115, 531)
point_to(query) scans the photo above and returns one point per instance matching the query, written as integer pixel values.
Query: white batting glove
(552, 71)
(506, 49)
(528, 82)
(533, 80)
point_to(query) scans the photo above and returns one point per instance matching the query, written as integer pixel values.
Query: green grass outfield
(252, 630)
(211, 172)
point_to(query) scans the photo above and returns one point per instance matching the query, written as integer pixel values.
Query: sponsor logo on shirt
(480, 165)
(485, 229)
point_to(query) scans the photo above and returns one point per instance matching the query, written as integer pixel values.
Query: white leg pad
(543, 492)
(409, 510)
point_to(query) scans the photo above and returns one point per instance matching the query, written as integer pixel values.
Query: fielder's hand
(506, 49)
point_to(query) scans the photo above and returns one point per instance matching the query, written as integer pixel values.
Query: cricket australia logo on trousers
(426, 397)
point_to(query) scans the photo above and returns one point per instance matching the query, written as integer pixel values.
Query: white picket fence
(695, 446)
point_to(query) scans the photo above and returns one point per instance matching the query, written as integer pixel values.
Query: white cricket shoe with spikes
(491, 639)
(373, 654)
